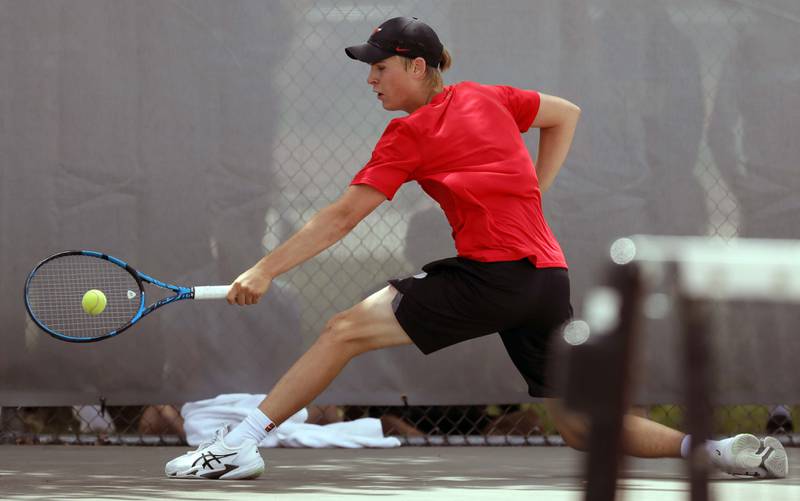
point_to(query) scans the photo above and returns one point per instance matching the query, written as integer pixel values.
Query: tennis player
(462, 143)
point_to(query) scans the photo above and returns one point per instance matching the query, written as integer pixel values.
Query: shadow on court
(414, 473)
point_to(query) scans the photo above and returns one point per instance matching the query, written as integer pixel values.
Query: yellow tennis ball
(94, 302)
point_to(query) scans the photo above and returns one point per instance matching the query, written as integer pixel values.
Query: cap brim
(368, 53)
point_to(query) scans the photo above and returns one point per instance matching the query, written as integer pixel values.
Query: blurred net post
(598, 372)
(600, 357)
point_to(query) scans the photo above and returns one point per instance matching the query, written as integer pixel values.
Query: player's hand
(249, 287)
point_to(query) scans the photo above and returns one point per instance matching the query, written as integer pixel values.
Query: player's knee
(573, 437)
(574, 428)
(342, 332)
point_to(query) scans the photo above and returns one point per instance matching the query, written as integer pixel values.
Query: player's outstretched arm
(557, 119)
(326, 228)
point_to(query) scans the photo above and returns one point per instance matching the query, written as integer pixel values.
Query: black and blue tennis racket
(55, 289)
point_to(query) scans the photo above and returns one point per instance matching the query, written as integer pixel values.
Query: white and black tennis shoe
(773, 461)
(215, 460)
(747, 456)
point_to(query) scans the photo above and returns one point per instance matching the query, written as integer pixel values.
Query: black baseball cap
(400, 36)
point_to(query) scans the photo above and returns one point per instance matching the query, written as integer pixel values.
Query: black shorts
(459, 299)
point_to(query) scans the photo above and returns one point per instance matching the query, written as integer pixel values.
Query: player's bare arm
(557, 120)
(327, 227)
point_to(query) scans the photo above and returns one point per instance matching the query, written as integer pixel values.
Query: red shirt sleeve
(393, 161)
(523, 105)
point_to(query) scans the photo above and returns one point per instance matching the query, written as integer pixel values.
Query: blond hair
(433, 76)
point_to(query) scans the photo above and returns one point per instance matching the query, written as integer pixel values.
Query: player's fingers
(241, 297)
(232, 292)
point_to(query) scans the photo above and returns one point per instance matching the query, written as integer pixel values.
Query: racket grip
(211, 291)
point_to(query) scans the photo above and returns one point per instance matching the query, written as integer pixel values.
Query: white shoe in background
(773, 461)
(739, 453)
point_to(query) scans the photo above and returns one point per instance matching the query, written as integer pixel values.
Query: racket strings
(55, 294)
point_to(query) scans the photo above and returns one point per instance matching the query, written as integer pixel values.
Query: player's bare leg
(640, 436)
(740, 455)
(369, 325)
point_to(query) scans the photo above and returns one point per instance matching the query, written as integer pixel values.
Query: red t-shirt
(465, 149)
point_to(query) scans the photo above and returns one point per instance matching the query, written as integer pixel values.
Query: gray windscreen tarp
(189, 137)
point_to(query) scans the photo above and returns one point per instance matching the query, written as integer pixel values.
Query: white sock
(685, 444)
(254, 427)
(711, 445)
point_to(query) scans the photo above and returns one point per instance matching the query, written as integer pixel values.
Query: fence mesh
(312, 161)
(513, 424)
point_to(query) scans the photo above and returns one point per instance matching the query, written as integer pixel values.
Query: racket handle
(211, 291)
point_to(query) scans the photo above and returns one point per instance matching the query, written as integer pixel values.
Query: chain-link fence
(515, 424)
(324, 128)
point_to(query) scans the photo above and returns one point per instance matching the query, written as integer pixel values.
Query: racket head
(54, 292)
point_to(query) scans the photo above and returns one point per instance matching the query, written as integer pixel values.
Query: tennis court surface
(407, 473)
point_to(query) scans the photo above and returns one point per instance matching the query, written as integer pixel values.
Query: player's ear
(418, 67)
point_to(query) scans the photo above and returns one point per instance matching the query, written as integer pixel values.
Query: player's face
(392, 83)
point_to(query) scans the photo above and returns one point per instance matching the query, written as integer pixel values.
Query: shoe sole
(776, 462)
(236, 474)
(239, 474)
